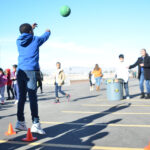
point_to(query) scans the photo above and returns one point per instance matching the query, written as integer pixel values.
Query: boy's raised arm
(44, 37)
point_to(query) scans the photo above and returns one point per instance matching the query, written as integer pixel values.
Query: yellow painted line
(114, 148)
(97, 124)
(136, 100)
(69, 146)
(130, 100)
(101, 105)
(114, 113)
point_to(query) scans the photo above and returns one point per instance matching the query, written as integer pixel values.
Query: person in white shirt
(122, 72)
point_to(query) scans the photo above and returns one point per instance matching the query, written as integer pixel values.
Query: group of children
(28, 66)
(8, 79)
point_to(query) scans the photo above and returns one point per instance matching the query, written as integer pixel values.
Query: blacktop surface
(88, 122)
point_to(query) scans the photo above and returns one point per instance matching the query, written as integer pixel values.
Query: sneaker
(36, 128)
(68, 97)
(90, 88)
(20, 125)
(16, 102)
(13, 98)
(56, 101)
(2, 102)
(127, 97)
(142, 95)
(148, 96)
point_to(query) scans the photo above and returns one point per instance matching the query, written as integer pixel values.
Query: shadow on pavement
(1, 117)
(86, 97)
(135, 95)
(6, 105)
(75, 133)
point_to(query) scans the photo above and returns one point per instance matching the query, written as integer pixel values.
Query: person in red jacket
(9, 85)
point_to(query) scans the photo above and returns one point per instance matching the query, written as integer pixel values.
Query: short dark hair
(58, 63)
(121, 56)
(1, 70)
(25, 28)
(14, 66)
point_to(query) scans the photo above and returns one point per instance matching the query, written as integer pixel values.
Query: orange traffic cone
(10, 130)
(29, 137)
(147, 147)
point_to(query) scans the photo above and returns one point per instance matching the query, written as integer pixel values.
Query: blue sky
(97, 31)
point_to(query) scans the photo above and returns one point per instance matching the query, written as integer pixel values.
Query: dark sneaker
(68, 97)
(142, 95)
(148, 96)
(2, 102)
(8, 98)
(56, 101)
(13, 98)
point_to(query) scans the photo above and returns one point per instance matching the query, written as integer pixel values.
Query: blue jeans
(142, 82)
(126, 89)
(58, 89)
(2, 91)
(148, 86)
(98, 80)
(16, 91)
(27, 84)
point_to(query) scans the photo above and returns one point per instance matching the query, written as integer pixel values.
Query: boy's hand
(48, 30)
(34, 25)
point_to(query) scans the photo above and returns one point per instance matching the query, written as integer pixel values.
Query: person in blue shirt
(28, 64)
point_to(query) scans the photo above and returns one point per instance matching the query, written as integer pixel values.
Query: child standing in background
(122, 72)
(9, 85)
(15, 84)
(97, 72)
(3, 80)
(59, 81)
(91, 81)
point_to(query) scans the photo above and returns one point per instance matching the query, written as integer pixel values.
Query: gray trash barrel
(114, 89)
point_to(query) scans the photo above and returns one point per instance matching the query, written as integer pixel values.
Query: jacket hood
(25, 39)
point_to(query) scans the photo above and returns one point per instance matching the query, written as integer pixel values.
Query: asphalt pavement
(88, 122)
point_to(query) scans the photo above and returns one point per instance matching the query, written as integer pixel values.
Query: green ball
(65, 11)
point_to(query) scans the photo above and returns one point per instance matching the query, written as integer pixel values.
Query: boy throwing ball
(28, 64)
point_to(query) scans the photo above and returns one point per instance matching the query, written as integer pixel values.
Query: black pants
(27, 84)
(39, 85)
(10, 89)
